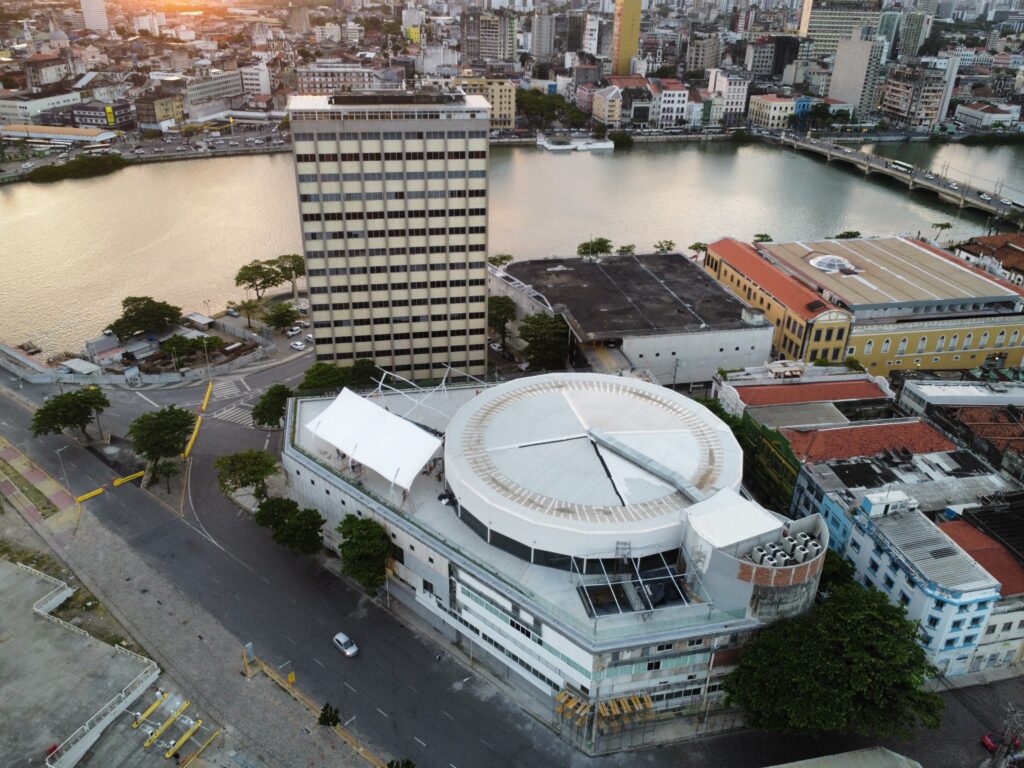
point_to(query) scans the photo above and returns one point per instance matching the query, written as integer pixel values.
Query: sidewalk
(260, 722)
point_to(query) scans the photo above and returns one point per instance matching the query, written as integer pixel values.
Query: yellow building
(806, 326)
(625, 36)
(607, 107)
(907, 305)
(499, 91)
(770, 111)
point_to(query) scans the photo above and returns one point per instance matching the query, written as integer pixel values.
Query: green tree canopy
(291, 266)
(547, 340)
(165, 470)
(245, 469)
(71, 410)
(259, 277)
(329, 716)
(501, 310)
(664, 246)
(762, 237)
(626, 250)
(856, 668)
(364, 550)
(273, 511)
(249, 308)
(281, 316)
(269, 409)
(143, 313)
(162, 434)
(361, 373)
(499, 259)
(699, 247)
(848, 234)
(324, 376)
(595, 247)
(301, 531)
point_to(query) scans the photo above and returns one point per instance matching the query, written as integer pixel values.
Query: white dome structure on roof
(582, 465)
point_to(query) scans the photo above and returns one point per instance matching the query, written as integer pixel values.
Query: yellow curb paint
(192, 440)
(206, 400)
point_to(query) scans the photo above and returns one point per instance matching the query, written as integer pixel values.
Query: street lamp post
(63, 472)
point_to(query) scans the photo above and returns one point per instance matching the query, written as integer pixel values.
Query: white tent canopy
(392, 447)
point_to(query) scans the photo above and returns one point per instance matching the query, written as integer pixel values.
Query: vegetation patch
(993, 139)
(79, 168)
(34, 495)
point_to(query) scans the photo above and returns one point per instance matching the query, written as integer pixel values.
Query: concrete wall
(699, 354)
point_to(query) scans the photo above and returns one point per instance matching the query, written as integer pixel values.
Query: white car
(985, 197)
(302, 323)
(309, 338)
(297, 345)
(929, 176)
(495, 346)
(1004, 201)
(293, 331)
(344, 644)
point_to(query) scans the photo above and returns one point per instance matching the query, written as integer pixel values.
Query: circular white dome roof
(578, 463)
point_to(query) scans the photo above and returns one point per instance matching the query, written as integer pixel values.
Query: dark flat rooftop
(626, 295)
(394, 96)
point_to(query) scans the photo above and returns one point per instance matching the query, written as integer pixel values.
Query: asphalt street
(394, 694)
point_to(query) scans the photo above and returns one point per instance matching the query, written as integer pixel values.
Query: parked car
(309, 338)
(232, 312)
(293, 331)
(302, 323)
(1004, 201)
(990, 741)
(344, 644)
(495, 346)
(297, 345)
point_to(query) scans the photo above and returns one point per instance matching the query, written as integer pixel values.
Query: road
(395, 693)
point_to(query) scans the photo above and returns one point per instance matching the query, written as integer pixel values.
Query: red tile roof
(747, 261)
(981, 272)
(1000, 426)
(818, 392)
(990, 554)
(851, 440)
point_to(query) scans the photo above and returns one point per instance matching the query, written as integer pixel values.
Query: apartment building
(770, 111)
(625, 36)
(857, 74)
(729, 87)
(500, 93)
(94, 13)
(487, 36)
(542, 36)
(914, 28)
(393, 199)
(607, 106)
(916, 97)
(827, 22)
(703, 52)
(326, 76)
(212, 92)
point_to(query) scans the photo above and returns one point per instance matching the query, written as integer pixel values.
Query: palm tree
(699, 248)
(250, 308)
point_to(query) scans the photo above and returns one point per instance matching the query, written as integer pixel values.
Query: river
(179, 231)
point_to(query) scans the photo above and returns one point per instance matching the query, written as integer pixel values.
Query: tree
(404, 763)
(365, 549)
(848, 234)
(501, 310)
(324, 376)
(941, 226)
(71, 410)
(854, 364)
(664, 246)
(281, 316)
(362, 373)
(245, 469)
(291, 267)
(699, 248)
(499, 259)
(329, 716)
(143, 313)
(274, 511)
(164, 470)
(595, 247)
(301, 531)
(162, 434)
(250, 308)
(861, 670)
(258, 277)
(269, 409)
(546, 340)
(762, 237)
(626, 250)
(178, 346)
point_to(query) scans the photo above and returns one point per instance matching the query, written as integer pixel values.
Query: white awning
(392, 447)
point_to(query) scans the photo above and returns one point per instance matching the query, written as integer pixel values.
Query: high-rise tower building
(914, 29)
(827, 22)
(857, 74)
(625, 36)
(542, 38)
(393, 200)
(95, 14)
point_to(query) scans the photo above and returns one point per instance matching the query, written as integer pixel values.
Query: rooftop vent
(830, 263)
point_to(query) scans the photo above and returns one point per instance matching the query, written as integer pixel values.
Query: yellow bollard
(206, 400)
(119, 481)
(90, 495)
(192, 440)
(184, 738)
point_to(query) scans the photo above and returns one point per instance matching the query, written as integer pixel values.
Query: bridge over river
(949, 190)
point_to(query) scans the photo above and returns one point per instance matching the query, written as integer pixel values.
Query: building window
(869, 346)
(1000, 339)
(950, 643)
(1007, 626)
(968, 341)
(888, 582)
(873, 566)
(903, 346)
(904, 599)
(990, 630)
(933, 621)
(885, 346)
(940, 345)
(958, 624)
(855, 546)
(953, 342)
(970, 639)
(653, 665)
(920, 344)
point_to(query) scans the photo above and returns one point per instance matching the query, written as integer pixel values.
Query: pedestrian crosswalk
(222, 390)
(236, 414)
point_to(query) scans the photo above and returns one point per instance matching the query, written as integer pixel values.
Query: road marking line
(245, 384)
(489, 746)
(265, 580)
(147, 400)
(238, 598)
(293, 600)
(451, 765)
(412, 689)
(215, 579)
(319, 662)
(447, 715)
(351, 688)
(418, 741)
(290, 640)
(382, 711)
